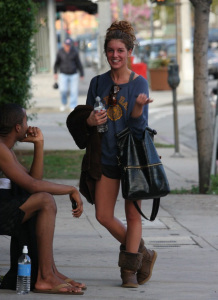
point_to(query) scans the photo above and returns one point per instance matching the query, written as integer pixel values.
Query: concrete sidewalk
(184, 236)
(184, 233)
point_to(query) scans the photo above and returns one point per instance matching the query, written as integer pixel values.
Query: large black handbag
(142, 173)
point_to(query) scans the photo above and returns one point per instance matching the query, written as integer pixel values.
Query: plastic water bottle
(98, 107)
(23, 273)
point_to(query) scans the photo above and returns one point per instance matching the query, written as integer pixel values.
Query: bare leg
(105, 199)
(134, 227)
(106, 192)
(44, 205)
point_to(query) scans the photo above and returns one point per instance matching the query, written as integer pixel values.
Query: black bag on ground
(142, 173)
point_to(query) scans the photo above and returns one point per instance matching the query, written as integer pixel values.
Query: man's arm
(57, 62)
(57, 66)
(18, 174)
(79, 65)
(35, 136)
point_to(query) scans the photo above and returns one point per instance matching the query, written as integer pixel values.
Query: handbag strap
(155, 208)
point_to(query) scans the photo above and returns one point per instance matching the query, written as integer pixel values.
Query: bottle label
(24, 270)
(99, 109)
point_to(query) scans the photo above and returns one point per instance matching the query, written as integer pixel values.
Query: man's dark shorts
(11, 215)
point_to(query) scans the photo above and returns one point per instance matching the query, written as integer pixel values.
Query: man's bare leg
(44, 205)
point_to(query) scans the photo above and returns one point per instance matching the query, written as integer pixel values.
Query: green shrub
(17, 27)
(213, 189)
(159, 62)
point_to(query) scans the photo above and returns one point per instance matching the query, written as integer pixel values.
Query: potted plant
(158, 73)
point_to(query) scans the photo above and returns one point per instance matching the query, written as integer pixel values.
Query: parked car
(212, 56)
(213, 35)
(151, 49)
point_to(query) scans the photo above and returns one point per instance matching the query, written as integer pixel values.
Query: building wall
(42, 40)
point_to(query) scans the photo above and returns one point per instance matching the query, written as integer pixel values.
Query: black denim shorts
(112, 172)
(11, 215)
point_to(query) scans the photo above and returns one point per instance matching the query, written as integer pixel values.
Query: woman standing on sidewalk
(125, 95)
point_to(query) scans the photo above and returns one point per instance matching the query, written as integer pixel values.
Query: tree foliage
(214, 5)
(134, 2)
(138, 12)
(169, 7)
(17, 27)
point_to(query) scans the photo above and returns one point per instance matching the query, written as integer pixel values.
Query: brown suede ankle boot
(149, 257)
(129, 264)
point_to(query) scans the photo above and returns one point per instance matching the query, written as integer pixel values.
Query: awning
(74, 5)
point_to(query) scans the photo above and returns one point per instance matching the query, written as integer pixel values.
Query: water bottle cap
(98, 98)
(25, 249)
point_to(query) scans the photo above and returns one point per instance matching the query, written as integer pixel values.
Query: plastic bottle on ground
(24, 273)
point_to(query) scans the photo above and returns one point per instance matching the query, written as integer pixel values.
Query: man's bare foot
(52, 282)
(75, 283)
(57, 290)
(69, 280)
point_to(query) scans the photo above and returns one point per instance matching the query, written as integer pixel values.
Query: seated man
(24, 196)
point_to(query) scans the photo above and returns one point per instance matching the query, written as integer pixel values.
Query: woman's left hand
(141, 100)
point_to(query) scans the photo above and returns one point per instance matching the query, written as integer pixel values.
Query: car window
(171, 50)
(148, 49)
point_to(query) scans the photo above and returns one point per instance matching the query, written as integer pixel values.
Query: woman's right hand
(97, 118)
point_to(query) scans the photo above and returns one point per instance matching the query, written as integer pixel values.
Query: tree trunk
(203, 120)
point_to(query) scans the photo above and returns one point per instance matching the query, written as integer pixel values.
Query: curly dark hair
(121, 30)
(11, 114)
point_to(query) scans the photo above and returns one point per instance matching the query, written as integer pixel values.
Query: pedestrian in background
(68, 64)
(126, 98)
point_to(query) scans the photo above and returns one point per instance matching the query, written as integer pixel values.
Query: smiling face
(117, 54)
